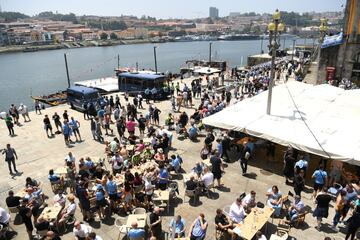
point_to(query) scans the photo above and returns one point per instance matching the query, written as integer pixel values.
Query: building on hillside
(133, 33)
(213, 12)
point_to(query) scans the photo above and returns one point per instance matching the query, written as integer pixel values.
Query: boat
(54, 99)
(235, 37)
(30, 49)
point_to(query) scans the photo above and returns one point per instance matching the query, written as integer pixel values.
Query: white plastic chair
(139, 211)
(120, 223)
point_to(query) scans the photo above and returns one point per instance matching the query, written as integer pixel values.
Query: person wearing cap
(159, 156)
(296, 208)
(101, 202)
(136, 233)
(23, 110)
(237, 212)
(249, 201)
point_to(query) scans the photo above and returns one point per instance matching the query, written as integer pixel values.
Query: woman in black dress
(289, 162)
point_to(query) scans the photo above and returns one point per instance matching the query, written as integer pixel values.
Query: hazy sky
(166, 8)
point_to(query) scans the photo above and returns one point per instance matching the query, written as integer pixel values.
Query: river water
(43, 72)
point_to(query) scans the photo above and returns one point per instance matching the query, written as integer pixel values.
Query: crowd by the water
(138, 172)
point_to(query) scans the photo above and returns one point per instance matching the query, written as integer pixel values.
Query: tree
(103, 36)
(12, 16)
(113, 36)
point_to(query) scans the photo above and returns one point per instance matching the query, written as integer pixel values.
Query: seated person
(41, 224)
(191, 185)
(140, 146)
(12, 201)
(249, 201)
(169, 121)
(54, 178)
(193, 132)
(175, 163)
(163, 177)
(296, 208)
(69, 210)
(30, 183)
(70, 159)
(274, 199)
(60, 198)
(136, 233)
(237, 212)
(4, 217)
(159, 156)
(198, 169)
(83, 173)
(137, 180)
(178, 225)
(180, 130)
(90, 165)
(224, 223)
(207, 178)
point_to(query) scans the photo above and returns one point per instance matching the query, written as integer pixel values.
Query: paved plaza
(37, 154)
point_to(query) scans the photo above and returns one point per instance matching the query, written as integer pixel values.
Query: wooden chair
(300, 219)
(15, 211)
(190, 194)
(218, 233)
(209, 190)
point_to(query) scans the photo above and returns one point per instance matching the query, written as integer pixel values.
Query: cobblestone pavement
(38, 154)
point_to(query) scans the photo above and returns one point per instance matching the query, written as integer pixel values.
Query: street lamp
(275, 29)
(323, 29)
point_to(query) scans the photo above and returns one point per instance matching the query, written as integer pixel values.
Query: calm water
(43, 72)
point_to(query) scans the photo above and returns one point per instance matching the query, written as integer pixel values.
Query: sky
(167, 8)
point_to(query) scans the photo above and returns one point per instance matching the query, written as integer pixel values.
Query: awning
(334, 40)
(329, 125)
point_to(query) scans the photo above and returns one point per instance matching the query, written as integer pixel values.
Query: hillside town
(68, 30)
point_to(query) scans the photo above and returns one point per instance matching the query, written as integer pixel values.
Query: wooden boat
(54, 99)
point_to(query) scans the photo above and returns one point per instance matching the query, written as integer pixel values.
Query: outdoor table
(257, 218)
(147, 141)
(21, 193)
(51, 213)
(162, 196)
(139, 218)
(61, 171)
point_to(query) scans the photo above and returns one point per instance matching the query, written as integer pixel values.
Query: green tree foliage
(107, 25)
(103, 36)
(71, 17)
(113, 36)
(293, 19)
(12, 16)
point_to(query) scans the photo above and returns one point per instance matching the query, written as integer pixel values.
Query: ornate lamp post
(323, 29)
(275, 29)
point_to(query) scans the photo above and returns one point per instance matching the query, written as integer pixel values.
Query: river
(43, 72)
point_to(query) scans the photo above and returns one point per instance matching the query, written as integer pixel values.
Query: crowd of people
(139, 165)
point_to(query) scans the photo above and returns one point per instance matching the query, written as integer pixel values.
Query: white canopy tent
(329, 126)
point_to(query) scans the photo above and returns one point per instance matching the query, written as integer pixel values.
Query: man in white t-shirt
(81, 231)
(208, 177)
(249, 201)
(237, 212)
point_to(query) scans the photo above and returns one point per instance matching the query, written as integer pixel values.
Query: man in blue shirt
(320, 179)
(136, 233)
(163, 177)
(175, 163)
(179, 226)
(67, 132)
(111, 190)
(302, 164)
(193, 132)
